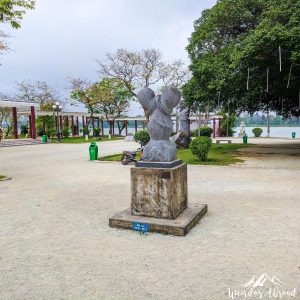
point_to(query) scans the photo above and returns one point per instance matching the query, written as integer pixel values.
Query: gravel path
(55, 242)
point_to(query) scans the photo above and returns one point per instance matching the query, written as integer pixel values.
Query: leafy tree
(80, 92)
(235, 51)
(50, 125)
(6, 119)
(228, 124)
(108, 96)
(113, 98)
(11, 12)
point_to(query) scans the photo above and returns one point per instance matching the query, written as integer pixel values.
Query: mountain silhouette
(262, 280)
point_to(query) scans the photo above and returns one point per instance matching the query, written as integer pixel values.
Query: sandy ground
(55, 242)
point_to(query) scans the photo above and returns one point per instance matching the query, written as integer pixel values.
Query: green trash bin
(245, 139)
(93, 150)
(44, 138)
(293, 135)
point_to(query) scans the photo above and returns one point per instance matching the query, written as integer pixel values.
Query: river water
(283, 132)
(280, 132)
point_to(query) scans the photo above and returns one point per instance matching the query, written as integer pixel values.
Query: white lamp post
(57, 108)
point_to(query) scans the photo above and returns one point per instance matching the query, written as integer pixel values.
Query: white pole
(268, 123)
(280, 57)
(199, 121)
(288, 84)
(267, 80)
(248, 79)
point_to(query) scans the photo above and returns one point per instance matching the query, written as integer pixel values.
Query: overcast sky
(63, 38)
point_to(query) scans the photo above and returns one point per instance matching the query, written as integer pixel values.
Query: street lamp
(57, 108)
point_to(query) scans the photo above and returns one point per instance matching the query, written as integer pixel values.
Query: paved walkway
(19, 142)
(55, 242)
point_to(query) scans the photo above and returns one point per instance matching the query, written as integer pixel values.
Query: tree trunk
(120, 128)
(268, 123)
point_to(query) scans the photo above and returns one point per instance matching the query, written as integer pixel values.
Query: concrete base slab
(179, 226)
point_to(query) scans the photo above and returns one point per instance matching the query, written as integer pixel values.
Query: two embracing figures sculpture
(160, 127)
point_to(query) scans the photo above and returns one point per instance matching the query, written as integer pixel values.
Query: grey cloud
(62, 38)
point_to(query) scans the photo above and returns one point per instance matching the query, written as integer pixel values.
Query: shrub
(200, 147)
(97, 132)
(204, 131)
(257, 131)
(85, 130)
(51, 132)
(142, 137)
(40, 132)
(24, 129)
(66, 132)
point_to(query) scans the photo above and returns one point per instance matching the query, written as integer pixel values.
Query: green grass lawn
(2, 177)
(79, 140)
(219, 155)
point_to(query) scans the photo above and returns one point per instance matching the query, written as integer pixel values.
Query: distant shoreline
(255, 125)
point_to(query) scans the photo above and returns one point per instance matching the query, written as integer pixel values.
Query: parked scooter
(130, 156)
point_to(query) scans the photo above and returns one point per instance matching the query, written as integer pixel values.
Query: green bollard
(293, 135)
(93, 150)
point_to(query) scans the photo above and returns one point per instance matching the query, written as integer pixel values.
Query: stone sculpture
(160, 127)
(242, 129)
(159, 195)
(182, 138)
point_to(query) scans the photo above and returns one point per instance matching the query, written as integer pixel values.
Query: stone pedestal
(159, 199)
(189, 218)
(159, 192)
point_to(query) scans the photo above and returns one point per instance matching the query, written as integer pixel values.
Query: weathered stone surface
(158, 164)
(182, 138)
(160, 126)
(179, 227)
(159, 192)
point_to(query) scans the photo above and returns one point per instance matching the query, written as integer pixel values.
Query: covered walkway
(76, 121)
(25, 107)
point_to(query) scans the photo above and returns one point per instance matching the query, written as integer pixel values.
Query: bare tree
(39, 91)
(137, 69)
(123, 65)
(150, 65)
(3, 45)
(144, 68)
(175, 73)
